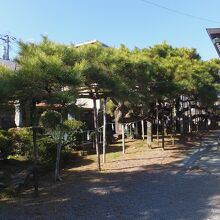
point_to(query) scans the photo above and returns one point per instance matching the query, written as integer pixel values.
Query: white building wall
(87, 103)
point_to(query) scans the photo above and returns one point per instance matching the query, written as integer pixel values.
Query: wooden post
(104, 130)
(173, 116)
(96, 133)
(123, 138)
(142, 129)
(157, 127)
(162, 123)
(149, 133)
(142, 124)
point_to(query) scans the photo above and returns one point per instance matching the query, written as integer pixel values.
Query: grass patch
(18, 157)
(113, 155)
(7, 193)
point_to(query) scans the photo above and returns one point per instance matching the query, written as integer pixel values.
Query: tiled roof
(214, 34)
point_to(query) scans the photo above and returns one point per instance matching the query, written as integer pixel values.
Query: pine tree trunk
(157, 118)
(173, 116)
(182, 119)
(196, 116)
(35, 150)
(59, 145)
(190, 117)
(27, 115)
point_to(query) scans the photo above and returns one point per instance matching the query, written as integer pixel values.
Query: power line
(180, 12)
(7, 39)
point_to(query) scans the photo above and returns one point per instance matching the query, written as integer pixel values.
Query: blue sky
(131, 22)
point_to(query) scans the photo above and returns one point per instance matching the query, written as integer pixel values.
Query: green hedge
(18, 141)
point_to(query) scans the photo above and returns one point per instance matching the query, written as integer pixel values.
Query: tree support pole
(163, 128)
(123, 138)
(149, 134)
(104, 130)
(142, 128)
(96, 134)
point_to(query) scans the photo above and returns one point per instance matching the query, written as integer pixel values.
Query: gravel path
(147, 185)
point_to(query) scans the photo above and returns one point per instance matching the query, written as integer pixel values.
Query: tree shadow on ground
(17, 175)
(185, 141)
(151, 192)
(76, 160)
(13, 163)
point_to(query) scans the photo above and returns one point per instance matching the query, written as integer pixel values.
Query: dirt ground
(83, 188)
(139, 154)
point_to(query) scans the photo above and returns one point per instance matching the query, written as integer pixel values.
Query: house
(9, 64)
(17, 116)
(14, 115)
(89, 43)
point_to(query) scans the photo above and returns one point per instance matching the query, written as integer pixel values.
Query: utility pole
(7, 40)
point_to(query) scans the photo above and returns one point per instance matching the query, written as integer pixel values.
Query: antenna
(7, 39)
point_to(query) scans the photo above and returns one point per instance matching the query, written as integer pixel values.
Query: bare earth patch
(137, 156)
(142, 174)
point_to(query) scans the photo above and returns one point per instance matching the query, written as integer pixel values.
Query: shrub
(6, 147)
(19, 141)
(47, 148)
(73, 132)
(50, 119)
(22, 140)
(47, 151)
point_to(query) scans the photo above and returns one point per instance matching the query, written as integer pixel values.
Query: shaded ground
(143, 184)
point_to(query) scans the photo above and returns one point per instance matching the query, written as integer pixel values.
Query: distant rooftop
(8, 63)
(12, 65)
(214, 34)
(90, 42)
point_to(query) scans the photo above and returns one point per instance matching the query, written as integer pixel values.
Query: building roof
(214, 34)
(9, 64)
(90, 42)
(13, 66)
